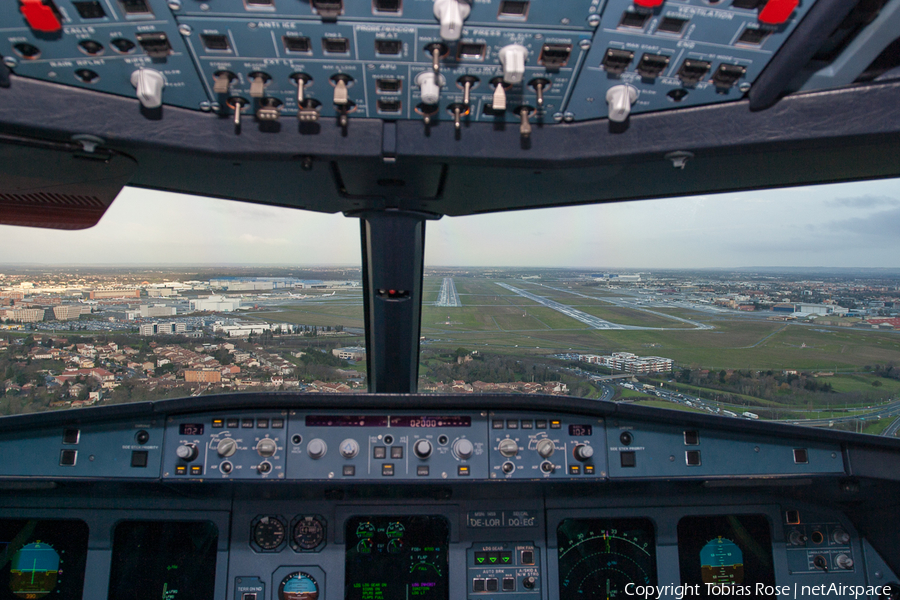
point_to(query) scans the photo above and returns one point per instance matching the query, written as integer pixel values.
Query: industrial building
(627, 362)
(67, 312)
(241, 329)
(354, 353)
(158, 328)
(23, 315)
(216, 304)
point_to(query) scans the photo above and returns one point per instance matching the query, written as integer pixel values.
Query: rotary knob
(508, 447)
(583, 452)
(843, 561)
(187, 452)
(545, 448)
(840, 536)
(463, 448)
(226, 447)
(266, 447)
(422, 448)
(349, 448)
(316, 449)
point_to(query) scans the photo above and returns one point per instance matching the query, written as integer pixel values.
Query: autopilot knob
(545, 448)
(583, 452)
(187, 452)
(508, 447)
(463, 448)
(316, 449)
(266, 447)
(422, 448)
(226, 447)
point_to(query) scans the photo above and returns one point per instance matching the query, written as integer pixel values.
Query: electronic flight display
(727, 550)
(397, 557)
(599, 557)
(164, 560)
(42, 559)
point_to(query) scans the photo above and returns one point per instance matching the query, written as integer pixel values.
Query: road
(447, 296)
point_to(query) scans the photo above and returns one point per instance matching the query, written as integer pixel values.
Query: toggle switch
(498, 101)
(430, 86)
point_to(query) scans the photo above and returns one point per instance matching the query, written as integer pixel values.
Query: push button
(509, 584)
(492, 585)
(181, 470)
(139, 458)
(196, 470)
(627, 459)
(379, 452)
(387, 470)
(478, 585)
(67, 458)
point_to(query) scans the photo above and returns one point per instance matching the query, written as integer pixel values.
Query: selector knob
(513, 58)
(430, 86)
(266, 447)
(797, 538)
(451, 14)
(840, 536)
(463, 449)
(508, 447)
(620, 98)
(316, 449)
(349, 448)
(226, 447)
(545, 448)
(843, 561)
(187, 452)
(149, 84)
(422, 448)
(583, 452)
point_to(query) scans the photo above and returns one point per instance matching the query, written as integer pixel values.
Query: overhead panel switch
(777, 12)
(42, 15)
(149, 84)
(620, 98)
(451, 14)
(430, 86)
(513, 59)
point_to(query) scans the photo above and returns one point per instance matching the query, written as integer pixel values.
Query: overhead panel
(442, 61)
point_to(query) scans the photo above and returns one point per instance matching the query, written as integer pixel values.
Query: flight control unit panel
(459, 61)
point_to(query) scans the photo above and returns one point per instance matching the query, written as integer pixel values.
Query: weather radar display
(42, 559)
(599, 557)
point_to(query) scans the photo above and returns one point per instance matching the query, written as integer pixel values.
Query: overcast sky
(845, 225)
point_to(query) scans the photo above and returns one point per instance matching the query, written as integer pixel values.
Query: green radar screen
(599, 558)
(42, 559)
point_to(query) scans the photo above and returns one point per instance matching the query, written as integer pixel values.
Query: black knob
(626, 438)
(529, 582)
(142, 437)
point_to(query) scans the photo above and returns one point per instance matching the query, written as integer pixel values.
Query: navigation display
(164, 560)
(42, 559)
(379, 421)
(600, 558)
(726, 550)
(396, 557)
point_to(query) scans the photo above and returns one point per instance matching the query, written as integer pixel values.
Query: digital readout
(431, 421)
(191, 429)
(379, 421)
(345, 421)
(580, 430)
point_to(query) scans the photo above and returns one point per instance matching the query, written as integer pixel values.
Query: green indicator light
(480, 559)
(493, 559)
(505, 559)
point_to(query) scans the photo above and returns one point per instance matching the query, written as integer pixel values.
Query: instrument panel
(309, 531)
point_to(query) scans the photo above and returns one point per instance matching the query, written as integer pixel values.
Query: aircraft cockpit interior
(398, 113)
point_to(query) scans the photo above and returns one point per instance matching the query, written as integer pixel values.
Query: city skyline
(849, 225)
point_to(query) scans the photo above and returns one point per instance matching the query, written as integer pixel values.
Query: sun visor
(58, 185)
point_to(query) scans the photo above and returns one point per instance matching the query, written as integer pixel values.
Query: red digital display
(191, 429)
(345, 421)
(428, 421)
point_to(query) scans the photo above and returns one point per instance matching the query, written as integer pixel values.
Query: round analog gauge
(308, 533)
(298, 586)
(365, 530)
(395, 529)
(599, 557)
(268, 533)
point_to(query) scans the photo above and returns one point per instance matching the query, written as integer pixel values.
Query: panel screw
(568, 117)
(584, 44)
(185, 30)
(594, 20)
(204, 106)
(174, 4)
(557, 117)
(564, 21)
(252, 24)
(10, 62)
(745, 87)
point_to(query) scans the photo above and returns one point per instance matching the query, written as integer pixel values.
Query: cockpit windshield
(772, 305)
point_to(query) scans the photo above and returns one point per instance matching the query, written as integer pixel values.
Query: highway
(447, 296)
